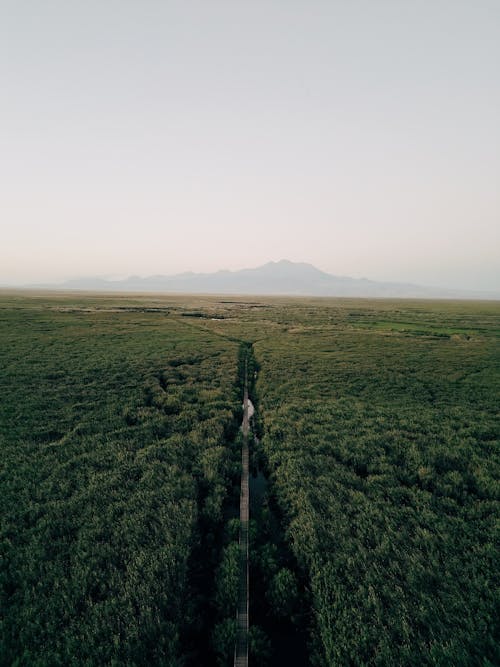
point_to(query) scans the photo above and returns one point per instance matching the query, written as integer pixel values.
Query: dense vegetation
(382, 444)
(375, 505)
(116, 432)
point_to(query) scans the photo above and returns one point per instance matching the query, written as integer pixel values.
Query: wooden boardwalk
(241, 647)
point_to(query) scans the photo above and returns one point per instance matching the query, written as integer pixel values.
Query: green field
(375, 539)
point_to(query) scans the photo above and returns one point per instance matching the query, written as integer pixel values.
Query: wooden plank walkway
(241, 647)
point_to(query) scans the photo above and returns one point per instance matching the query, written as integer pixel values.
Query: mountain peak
(291, 268)
(280, 277)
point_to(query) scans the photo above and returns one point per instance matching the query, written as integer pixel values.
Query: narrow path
(241, 648)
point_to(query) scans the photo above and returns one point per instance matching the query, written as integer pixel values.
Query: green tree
(224, 640)
(283, 593)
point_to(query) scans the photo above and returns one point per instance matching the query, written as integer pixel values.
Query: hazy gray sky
(152, 136)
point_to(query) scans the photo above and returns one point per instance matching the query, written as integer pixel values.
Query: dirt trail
(241, 648)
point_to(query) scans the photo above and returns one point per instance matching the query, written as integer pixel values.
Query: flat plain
(375, 537)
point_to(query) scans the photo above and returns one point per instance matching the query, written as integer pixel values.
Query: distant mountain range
(273, 278)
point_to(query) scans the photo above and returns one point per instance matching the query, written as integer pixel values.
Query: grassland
(378, 532)
(116, 427)
(382, 444)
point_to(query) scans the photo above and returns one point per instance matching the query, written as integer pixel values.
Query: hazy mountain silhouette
(279, 278)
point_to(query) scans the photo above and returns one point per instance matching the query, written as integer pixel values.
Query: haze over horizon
(273, 278)
(148, 138)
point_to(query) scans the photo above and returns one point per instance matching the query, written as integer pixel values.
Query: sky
(153, 137)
